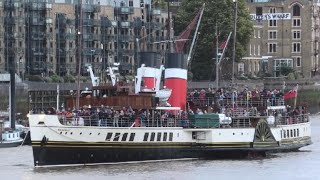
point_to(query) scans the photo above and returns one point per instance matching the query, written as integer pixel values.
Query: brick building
(44, 37)
(286, 33)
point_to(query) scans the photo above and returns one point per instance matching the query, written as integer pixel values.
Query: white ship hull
(56, 144)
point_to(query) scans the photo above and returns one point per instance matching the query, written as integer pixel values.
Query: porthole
(71, 133)
(80, 133)
(241, 133)
(65, 132)
(98, 134)
(90, 133)
(61, 132)
(233, 133)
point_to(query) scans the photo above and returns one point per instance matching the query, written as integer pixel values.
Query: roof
(5, 77)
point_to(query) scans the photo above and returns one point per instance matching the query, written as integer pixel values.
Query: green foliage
(55, 78)
(190, 75)
(220, 13)
(298, 75)
(34, 78)
(291, 76)
(69, 78)
(285, 70)
(129, 78)
(83, 79)
(159, 4)
(47, 79)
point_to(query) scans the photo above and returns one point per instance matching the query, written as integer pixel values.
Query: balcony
(91, 37)
(40, 6)
(8, 6)
(38, 21)
(38, 36)
(91, 51)
(88, 8)
(126, 38)
(70, 36)
(124, 10)
(124, 24)
(154, 12)
(38, 51)
(9, 21)
(90, 22)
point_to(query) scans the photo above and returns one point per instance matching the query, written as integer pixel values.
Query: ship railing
(296, 119)
(240, 121)
(239, 102)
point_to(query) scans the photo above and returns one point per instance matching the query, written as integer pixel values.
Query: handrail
(129, 122)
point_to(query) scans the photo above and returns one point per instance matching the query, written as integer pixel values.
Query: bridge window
(298, 132)
(116, 137)
(170, 136)
(288, 133)
(284, 134)
(108, 137)
(124, 137)
(131, 138)
(146, 135)
(159, 136)
(152, 136)
(291, 133)
(165, 136)
(294, 133)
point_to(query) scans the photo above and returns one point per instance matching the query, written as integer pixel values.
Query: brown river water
(17, 163)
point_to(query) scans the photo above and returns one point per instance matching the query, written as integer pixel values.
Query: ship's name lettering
(63, 129)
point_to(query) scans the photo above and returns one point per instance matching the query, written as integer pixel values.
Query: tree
(220, 12)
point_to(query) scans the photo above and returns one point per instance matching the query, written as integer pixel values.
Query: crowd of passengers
(245, 94)
(126, 116)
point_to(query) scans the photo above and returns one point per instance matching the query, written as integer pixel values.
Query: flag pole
(295, 99)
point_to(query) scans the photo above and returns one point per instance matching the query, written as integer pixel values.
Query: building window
(296, 10)
(250, 47)
(296, 22)
(254, 33)
(241, 67)
(145, 137)
(297, 60)
(258, 50)
(272, 47)
(131, 3)
(296, 47)
(272, 23)
(258, 33)
(272, 10)
(272, 35)
(254, 49)
(296, 34)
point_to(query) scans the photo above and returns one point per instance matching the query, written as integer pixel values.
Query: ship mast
(79, 34)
